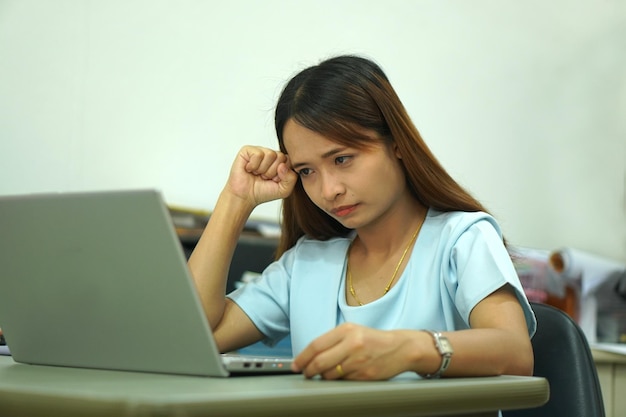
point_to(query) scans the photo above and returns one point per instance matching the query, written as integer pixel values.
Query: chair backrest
(563, 357)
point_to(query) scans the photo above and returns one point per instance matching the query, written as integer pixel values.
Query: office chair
(563, 357)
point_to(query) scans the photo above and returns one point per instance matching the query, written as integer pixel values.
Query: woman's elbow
(522, 362)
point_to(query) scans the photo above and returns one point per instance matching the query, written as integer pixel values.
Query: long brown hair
(340, 98)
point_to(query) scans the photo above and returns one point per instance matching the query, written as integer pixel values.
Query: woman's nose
(331, 187)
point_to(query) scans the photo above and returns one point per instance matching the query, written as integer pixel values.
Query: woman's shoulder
(314, 253)
(308, 246)
(457, 215)
(457, 222)
(308, 243)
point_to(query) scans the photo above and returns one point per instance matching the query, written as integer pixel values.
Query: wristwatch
(445, 350)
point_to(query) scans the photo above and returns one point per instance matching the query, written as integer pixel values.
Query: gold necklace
(395, 272)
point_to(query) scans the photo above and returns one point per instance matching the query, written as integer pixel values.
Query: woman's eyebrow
(325, 155)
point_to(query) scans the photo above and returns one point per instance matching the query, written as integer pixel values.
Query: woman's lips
(343, 210)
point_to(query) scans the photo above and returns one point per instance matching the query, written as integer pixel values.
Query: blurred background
(524, 102)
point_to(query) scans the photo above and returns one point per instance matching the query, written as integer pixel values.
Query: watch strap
(442, 344)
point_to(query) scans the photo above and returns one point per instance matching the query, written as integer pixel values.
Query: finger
(286, 179)
(259, 161)
(322, 355)
(331, 364)
(251, 157)
(267, 165)
(313, 349)
(271, 171)
(339, 371)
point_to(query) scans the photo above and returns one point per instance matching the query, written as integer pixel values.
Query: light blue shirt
(458, 259)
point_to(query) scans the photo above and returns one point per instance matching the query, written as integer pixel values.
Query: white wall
(523, 101)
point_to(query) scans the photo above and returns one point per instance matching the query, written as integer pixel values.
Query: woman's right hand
(260, 174)
(257, 175)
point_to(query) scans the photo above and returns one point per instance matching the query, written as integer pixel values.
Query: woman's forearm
(210, 261)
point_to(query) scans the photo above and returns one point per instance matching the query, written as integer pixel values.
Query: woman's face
(354, 186)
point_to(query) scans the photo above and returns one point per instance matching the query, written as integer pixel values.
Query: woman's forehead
(302, 143)
(346, 134)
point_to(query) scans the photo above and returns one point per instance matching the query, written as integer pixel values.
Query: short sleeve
(479, 265)
(266, 300)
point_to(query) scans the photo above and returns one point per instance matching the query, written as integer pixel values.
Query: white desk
(29, 390)
(612, 375)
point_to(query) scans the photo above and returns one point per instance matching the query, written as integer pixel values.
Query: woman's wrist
(444, 348)
(421, 353)
(236, 207)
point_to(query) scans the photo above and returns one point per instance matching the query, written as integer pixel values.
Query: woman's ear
(396, 151)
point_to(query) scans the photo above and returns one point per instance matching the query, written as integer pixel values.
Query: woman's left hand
(497, 344)
(351, 351)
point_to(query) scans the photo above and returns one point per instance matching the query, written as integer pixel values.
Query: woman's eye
(304, 172)
(340, 160)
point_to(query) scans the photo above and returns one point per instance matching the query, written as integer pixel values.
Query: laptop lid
(99, 280)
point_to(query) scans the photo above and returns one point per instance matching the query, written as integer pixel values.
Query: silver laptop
(99, 280)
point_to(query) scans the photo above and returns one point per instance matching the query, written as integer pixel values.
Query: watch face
(446, 347)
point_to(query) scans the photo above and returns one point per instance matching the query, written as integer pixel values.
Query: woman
(378, 243)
